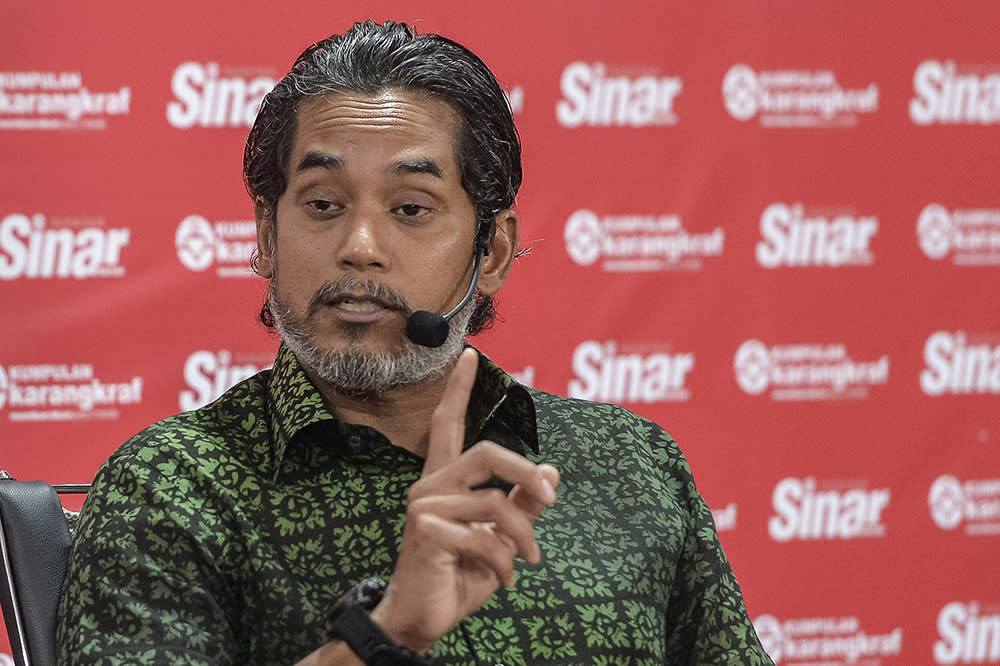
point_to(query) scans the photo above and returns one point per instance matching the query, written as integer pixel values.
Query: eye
(323, 209)
(411, 210)
(319, 204)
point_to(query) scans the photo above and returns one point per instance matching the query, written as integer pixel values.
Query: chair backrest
(35, 540)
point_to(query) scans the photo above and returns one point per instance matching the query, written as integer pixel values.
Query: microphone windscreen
(427, 328)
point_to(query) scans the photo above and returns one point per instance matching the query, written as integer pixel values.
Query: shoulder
(614, 461)
(606, 418)
(233, 427)
(604, 429)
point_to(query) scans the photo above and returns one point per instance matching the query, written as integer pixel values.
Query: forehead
(393, 119)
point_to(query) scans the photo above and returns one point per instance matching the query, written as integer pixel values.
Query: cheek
(444, 259)
(298, 271)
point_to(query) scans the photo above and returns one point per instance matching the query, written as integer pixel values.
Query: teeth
(363, 306)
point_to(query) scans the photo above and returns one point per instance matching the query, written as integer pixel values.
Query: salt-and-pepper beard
(358, 371)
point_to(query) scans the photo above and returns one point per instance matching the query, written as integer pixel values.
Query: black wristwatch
(348, 620)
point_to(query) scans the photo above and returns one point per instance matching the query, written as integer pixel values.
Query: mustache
(350, 287)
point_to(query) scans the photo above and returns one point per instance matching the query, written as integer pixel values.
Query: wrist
(350, 620)
(383, 616)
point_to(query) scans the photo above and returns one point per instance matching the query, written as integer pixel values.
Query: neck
(402, 414)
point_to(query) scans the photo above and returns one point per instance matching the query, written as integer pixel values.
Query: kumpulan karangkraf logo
(826, 641)
(795, 98)
(639, 243)
(225, 245)
(54, 392)
(973, 504)
(47, 100)
(807, 371)
(966, 237)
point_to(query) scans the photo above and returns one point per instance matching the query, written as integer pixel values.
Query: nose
(362, 245)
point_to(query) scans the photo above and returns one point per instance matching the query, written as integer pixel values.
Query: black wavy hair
(371, 58)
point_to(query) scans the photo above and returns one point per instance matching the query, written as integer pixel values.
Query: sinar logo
(967, 634)
(29, 249)
(805, 512)
(957, 367)
(593, 98)
(204, 98)
(605, 374)
(794, 236)
(946, 95)
(209, 374)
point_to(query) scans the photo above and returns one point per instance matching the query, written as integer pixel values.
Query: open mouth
(358, 306)
(351, 296)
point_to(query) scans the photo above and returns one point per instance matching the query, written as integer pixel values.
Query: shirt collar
(293, 401)
(500, 409)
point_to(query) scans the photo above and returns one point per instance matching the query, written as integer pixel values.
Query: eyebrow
(317, 160)
(314, 160)
(424, 165)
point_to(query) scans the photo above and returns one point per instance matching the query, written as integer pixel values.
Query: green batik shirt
(222, 535)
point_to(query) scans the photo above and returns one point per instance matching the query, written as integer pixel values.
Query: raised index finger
(448, 420)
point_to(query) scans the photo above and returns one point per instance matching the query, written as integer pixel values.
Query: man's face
(374, 223)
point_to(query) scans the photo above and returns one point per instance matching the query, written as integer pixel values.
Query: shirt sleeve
(707, 620)
(141, 586)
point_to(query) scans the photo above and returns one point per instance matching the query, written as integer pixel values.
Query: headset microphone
(431, 329)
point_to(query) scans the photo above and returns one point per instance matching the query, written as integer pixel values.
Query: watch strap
(349, 621)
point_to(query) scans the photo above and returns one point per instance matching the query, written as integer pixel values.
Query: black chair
(35, 538)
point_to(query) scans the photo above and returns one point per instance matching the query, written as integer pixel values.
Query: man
(383, 170)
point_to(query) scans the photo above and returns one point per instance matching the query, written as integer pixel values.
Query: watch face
(369, 592)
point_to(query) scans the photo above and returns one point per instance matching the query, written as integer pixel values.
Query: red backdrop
(772, 227)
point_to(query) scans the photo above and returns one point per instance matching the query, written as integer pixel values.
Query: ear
(503, 248)
(265, 236)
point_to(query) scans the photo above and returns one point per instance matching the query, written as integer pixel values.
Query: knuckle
(494, 497)
(421, 525)
(416, 501)
(505, 566)
(482, 450)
